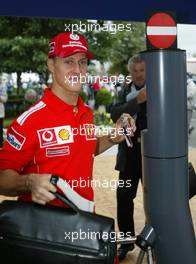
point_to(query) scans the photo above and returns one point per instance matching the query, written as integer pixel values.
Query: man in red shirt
(56, 135)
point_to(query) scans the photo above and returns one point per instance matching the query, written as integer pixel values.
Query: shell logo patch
(64, 134)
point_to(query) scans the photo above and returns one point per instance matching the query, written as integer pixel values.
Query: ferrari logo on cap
(74, 37)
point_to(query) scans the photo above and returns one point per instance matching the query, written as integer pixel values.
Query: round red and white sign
(161, 30)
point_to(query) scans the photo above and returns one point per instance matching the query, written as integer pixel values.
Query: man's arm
(132, 107)
(14, 184)
(104, 143)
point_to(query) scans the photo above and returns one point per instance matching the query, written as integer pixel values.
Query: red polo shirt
(52, 137)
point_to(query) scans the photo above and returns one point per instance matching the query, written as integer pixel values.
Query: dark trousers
(1, 132)
(127, 193)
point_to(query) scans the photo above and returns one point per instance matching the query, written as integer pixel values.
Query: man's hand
(117, 134)
(141, 98)
(41, 188)
(124, 124)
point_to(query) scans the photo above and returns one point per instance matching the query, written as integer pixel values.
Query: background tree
(24, 43)
(126, 44)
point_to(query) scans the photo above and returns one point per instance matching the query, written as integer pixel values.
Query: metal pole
(165, 154)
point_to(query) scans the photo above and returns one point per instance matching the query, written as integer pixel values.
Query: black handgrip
(61, 197)
(54, 179)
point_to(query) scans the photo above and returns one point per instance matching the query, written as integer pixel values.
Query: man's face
(67, 72)
(137, 72)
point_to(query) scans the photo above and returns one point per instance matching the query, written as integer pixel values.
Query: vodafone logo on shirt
(48, 137)
(55, 136)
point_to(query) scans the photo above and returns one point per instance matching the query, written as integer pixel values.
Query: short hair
(134, 59)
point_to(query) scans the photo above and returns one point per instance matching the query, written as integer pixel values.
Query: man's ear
(50, 63)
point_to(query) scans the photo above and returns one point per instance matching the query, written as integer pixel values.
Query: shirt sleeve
(18, 150)
(131, 107)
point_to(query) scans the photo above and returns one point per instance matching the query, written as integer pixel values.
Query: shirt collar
(58, 105)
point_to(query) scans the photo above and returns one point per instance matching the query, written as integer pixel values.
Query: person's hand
(141, 97)
(125, 124)
(41, 188)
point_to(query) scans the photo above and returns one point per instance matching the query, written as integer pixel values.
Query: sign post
(161, 31)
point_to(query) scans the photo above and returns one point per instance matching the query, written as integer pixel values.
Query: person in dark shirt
(132, 101)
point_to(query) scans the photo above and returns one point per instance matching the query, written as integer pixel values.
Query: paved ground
(106, 197)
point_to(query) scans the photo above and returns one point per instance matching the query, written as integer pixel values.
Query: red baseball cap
(66, 44)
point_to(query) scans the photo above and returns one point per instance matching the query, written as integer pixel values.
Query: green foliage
(84, 96)
(24, 43)
(23, 54)
(125, 45)
(100, 43)
(15, 105)
(103, 97)
(36, 27)
(7, 122)
(102, 119)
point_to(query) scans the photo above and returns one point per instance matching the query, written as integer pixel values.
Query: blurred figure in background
(3, 100)
(31, 96)
(132, 100)
(191, 100)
